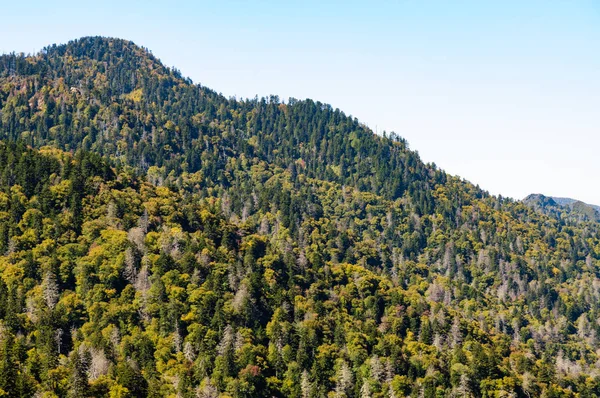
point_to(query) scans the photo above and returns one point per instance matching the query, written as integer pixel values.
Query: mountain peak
(92, 62)
(97, 47)
(540, 200)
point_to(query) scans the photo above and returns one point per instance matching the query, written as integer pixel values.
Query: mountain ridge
(551, 204)
(570, 201)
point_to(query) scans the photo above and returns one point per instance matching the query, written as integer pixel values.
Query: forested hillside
(158, 239)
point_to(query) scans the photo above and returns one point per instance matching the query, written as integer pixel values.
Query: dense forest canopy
(158, 239)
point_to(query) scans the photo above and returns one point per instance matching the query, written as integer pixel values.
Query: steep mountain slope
(192, 245)
(114, 98)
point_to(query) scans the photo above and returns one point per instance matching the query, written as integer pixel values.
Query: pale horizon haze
(503, 94)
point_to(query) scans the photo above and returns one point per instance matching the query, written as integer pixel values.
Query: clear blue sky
(503, 93)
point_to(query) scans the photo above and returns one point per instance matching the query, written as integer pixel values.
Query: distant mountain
(566, 206)
(540, 201)
(569, 201)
